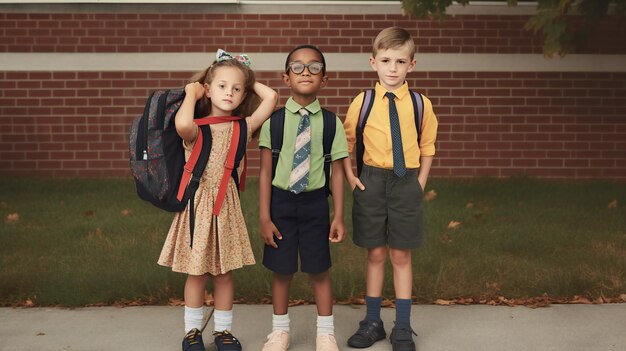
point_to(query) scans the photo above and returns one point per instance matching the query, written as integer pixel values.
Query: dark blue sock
(403, 313)
(373, 308)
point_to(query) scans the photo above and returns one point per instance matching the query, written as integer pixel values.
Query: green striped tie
(299, 178)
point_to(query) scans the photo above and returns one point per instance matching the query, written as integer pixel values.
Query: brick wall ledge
(339, 62)
(255, 7)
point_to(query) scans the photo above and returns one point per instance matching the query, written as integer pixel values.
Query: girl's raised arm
(269, 98)
(185, 127)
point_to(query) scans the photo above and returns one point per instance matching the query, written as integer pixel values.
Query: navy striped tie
(399, 167)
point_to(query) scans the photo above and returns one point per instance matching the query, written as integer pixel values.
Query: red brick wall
(557, 124)
(120, 32)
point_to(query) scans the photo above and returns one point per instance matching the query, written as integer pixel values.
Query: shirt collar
(294, 107)
(400, 93)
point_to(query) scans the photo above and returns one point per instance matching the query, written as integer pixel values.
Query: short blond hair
(393, 38)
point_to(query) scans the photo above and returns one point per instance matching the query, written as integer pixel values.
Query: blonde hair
(249, 103)
(393, 38)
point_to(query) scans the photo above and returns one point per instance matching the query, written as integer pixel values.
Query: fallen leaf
(98, 304)
(503, 300)
(298, 302)
(580, 300)
(387, 303)
(443, 302)
(469, 205)
(40, 334)
(453, 224)
(12, 217)
(175, 302)
(430, 195)
(612, 204)
(539, 303)
(125, 212)
(90, 214)
(445, 238)
(599, 300)
(29, 303)
(208, 299)
(465, 301)
(357, 301)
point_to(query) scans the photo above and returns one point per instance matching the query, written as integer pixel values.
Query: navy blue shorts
(303, 221)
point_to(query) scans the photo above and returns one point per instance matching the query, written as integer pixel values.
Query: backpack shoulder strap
(366, 108)
(330, 127)
(277, 127)
(195, 165)
(418, 109)
(240, 155)
(194, 168)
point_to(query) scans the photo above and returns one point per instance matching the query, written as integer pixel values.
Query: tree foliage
(562, 23)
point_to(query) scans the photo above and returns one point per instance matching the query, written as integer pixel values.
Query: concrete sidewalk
(440, 328)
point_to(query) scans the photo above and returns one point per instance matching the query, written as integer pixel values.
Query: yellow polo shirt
(377, 132)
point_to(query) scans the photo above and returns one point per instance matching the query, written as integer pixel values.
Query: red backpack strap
(189, 166)
(228, 169)
(197, 148)
(215, 120)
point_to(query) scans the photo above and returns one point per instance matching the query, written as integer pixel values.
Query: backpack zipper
(142, 132)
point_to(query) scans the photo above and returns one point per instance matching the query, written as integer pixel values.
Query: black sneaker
(225, 341)
(193, 341)
(401, 338)
(369, 332)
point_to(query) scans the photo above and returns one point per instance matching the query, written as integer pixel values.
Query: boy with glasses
(293, 190)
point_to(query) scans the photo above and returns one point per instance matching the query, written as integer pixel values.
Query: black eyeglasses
(298, 67)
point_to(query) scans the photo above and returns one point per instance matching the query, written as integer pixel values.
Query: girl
(220, 242)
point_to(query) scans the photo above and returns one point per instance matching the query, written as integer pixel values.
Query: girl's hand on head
(195, 89)
(269, 98)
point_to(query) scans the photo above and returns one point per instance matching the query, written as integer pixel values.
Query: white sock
(223, 320)
(325, 325)
(193, 318)
(280, 322)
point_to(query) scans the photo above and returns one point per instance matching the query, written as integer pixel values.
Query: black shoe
(193, 341)
(401, 339)
(369, 332)
(225, 341)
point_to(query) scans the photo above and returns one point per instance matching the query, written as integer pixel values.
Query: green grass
(519, 238)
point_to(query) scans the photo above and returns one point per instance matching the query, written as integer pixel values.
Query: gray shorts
(389, 211)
